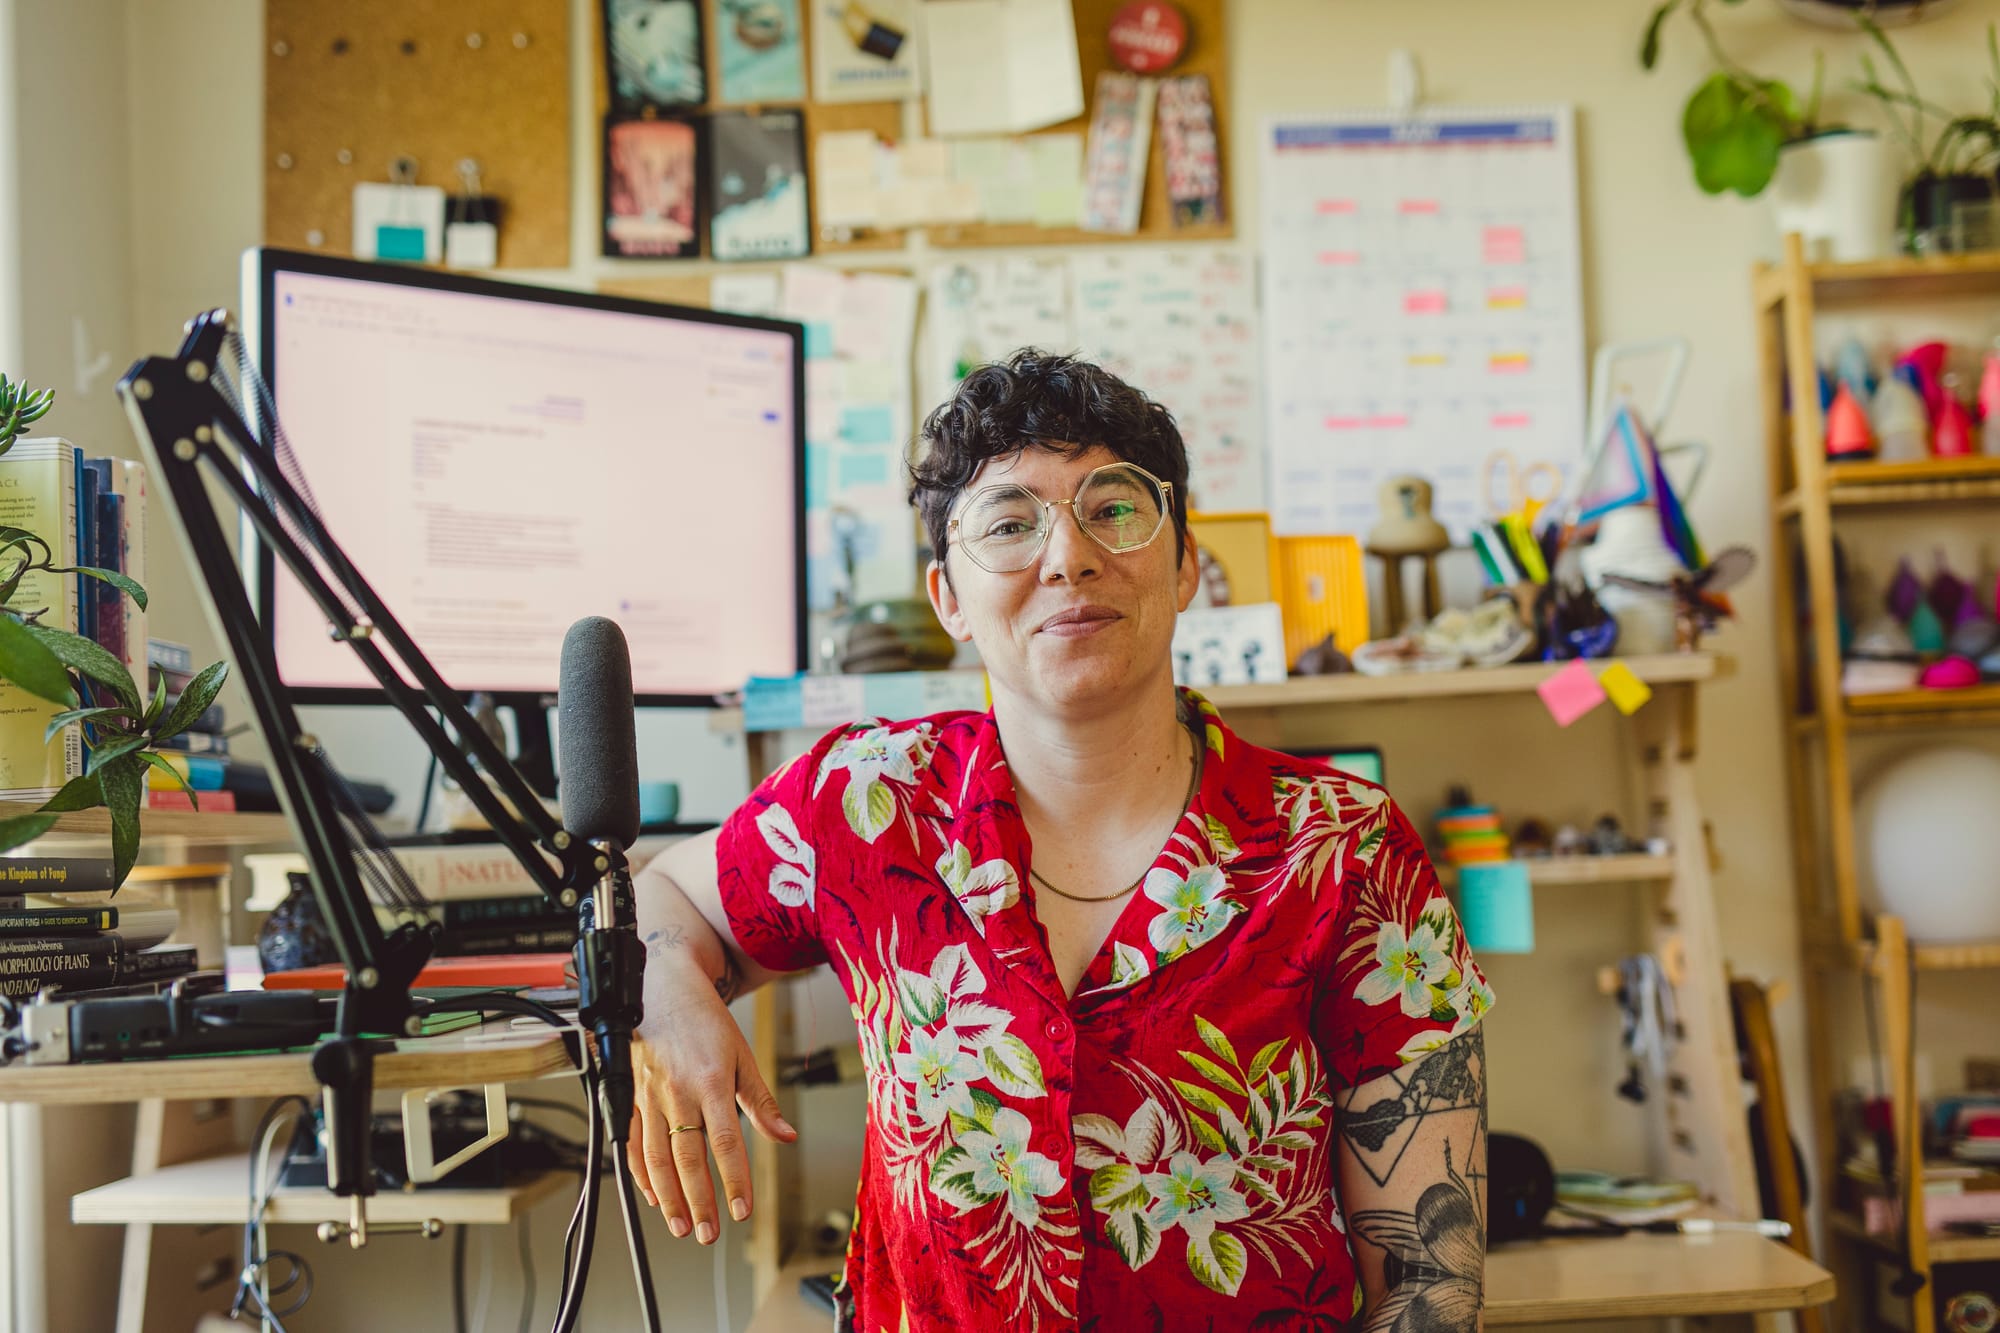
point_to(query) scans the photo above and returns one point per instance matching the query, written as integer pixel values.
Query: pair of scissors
(1524, 490)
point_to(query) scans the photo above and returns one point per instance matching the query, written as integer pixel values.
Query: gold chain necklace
(1194, 780)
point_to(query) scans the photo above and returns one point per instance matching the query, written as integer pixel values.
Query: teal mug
(659, 802)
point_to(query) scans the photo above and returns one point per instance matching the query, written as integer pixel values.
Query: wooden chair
(1751, 1003)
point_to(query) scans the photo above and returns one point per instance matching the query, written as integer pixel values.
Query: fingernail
(786, 1125)
(705, 1232)
(738, 1209)
(651, 1201)
(677, 1225)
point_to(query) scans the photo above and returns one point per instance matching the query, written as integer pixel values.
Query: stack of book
(60, 929)
(89, 512)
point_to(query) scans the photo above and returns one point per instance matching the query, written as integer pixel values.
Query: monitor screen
(501, 460)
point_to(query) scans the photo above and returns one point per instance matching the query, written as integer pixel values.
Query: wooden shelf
(1969, 957)
(1945, 1247)
(215, 1190)
(1921, 707)
(212, 830)
(1887, 279)
(1522, 678)
(1885, 485)
(1557, 870)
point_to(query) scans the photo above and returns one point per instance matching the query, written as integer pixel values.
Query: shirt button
(1057, 1029)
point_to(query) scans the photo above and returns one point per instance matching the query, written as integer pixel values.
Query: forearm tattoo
(1434, 1255)
(729, 985)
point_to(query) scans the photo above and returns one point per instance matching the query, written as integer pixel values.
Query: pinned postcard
(757, 172)
(759, 51)
(1120, 138)
(649, 189)
(1001, 66)
(653, 51)
(1230, 645)
(1189, 152)
(865, 52)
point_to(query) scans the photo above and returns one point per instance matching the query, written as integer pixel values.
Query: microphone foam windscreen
(599, 787)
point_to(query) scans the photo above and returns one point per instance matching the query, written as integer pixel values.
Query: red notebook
(498, 969)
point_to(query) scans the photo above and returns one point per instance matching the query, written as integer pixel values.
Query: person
(1161, 1029)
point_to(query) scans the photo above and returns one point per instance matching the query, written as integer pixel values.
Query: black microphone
(599, 786)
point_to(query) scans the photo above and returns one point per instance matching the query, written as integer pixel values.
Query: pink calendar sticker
(1388, 423)
(1327, 207)
(1343, 423)
(1505, 245)
(1512, 420)
(1509, 363)
(1431, 301)
(1418, 207)
(1507, 298)
(1340, 256)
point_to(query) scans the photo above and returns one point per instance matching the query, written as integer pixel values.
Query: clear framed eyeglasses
(1003, 528)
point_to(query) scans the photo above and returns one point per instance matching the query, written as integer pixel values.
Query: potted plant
(92, 687)
(1747, 133)
(1956, 155)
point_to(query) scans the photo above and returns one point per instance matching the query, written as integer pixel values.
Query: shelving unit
(1807, 491)
(1704, 1132)
(190, 826)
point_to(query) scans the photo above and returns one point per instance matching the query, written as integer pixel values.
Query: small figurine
(1698, 606)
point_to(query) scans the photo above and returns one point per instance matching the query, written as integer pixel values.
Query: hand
(692, 1066)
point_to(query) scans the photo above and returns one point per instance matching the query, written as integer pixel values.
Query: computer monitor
(500, 460)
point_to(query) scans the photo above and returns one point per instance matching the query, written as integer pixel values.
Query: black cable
(458, 1278)
(254, 1264)
(572, 1301)
(527, 1274)
(628, 1204)
(550, 1104)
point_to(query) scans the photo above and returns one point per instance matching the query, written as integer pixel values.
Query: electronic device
(1360, 761)
(1520, 1187)
(505, 459)
(191, 1017)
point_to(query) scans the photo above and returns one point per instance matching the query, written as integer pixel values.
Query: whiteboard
(1422, 309)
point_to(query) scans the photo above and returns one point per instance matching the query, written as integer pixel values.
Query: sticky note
(817, 468)
(1627, 692)
(1428, 302)
(1496, 907)
(1571, 692)
(870, 423)
(863, 470)
(399, 243)
(819, 340)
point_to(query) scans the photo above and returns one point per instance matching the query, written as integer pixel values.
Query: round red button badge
(1148, 36)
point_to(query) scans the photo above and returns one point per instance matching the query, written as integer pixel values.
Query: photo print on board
(759, 52)
(651, 185)
(653, 52)
(757, 182)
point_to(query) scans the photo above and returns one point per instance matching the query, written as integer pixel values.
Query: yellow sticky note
(1628, 693)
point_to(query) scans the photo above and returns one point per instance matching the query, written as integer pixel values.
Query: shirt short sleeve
(1402, 980)
(767, 866)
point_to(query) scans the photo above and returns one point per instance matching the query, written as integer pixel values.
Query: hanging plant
(92, 687)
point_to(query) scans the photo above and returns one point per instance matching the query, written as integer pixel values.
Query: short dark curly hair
(1043, 400)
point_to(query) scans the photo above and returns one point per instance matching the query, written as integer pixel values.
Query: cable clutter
(208, 426)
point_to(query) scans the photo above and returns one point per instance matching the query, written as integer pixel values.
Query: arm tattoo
(1435, 1252)
(659, 941)
(729, 985)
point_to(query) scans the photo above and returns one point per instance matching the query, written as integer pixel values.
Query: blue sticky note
(399, 243)
(863, 470)
(871, 423)
(819, 341)
(1496, 907)
(817, 468)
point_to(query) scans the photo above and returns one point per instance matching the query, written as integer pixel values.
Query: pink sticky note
(1334, 206)
(1422, 207)
(1430, 302)
(1505, 245)
(1571, 692)
(1512, 420)
(1340, 256)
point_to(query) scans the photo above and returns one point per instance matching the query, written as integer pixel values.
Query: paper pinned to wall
(1001, 66)
(860, 535)
(744, 293)
(979, 310)
(865, 52)
(1055, 168)
(1423, 307)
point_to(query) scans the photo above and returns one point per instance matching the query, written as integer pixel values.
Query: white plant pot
(1838, 191)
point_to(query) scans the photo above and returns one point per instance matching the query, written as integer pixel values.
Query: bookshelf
(206, 830)
(1809, 493)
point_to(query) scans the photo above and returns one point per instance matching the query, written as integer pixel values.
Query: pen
(1703, 1226)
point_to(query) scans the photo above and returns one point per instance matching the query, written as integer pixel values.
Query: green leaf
(1259, 1188)
(1649, 49)
(32, 664)
(24, 538)
(89, 659)
(194, 701)
(1264, 1058)
(1132, 1236)
(1214, 1073)
(951, 1180)
(923, 1000)
(84, 793)
(166, 766)
(1262, 1162)
(1732, 141)
(1218, 1261)
(1206, 1132)
(1011, 1064)
(1196, 1095)
(1212, 1036)
(1118, 1186)
(113, 751)
(124, 788)
(69, 715)
(1295, 1142)
(159, 701)
(123, 583)
(23, 828)
(870, 807)
(1218, 838)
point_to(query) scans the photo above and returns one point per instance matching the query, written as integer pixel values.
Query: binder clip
(401, 220)
(472, 224)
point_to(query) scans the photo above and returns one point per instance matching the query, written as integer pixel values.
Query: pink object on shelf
(1571, 692)
(1989, 388)
(1928, 360)
(1847, 434)
(1950, 673)
(1954, 430)
(1878, 1215)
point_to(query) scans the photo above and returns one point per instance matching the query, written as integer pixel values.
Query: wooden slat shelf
(1945, 1247)
(1909, 710)
(1558, 870)
(1972, 956)
(215, 1190)
(214, 830)
(1521, 678)
(1902, 279)
(1884, 485)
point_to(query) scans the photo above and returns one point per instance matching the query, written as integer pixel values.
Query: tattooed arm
(682, 924)
(1413, 1189)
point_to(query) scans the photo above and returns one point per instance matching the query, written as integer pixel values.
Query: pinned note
(1496, 907)
(1627, 692)
(1571, 692)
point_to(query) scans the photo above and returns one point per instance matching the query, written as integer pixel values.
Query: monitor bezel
(261, 267)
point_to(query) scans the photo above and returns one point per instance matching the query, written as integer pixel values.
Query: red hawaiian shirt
(1157, 1151)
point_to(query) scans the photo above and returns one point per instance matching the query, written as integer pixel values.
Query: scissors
(1519, 490)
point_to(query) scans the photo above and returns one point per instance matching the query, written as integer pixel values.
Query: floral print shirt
(1157, 1150)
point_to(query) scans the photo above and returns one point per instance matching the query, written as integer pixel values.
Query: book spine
(57, 920)
(132, 485)
(56, 874)
(166, 960)
(528, 939)
(172, 656)
(27, 965)
(38, 493)
(212, 802)
(110, 600)
(461, 913)
(195, 742)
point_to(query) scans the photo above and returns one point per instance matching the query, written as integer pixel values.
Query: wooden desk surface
(498, 1051)
(1543, 1282)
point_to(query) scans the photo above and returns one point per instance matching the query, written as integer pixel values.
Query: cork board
(1207, 53)
(349, 87)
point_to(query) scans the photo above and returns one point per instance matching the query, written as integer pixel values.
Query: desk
(1544, 1282)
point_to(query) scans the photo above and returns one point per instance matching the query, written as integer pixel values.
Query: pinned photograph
(650, 184)
(760, 54)
(653, 51)
(757, 175)
(865, 52)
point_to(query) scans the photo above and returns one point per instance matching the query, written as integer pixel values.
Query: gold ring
(682, 1129)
